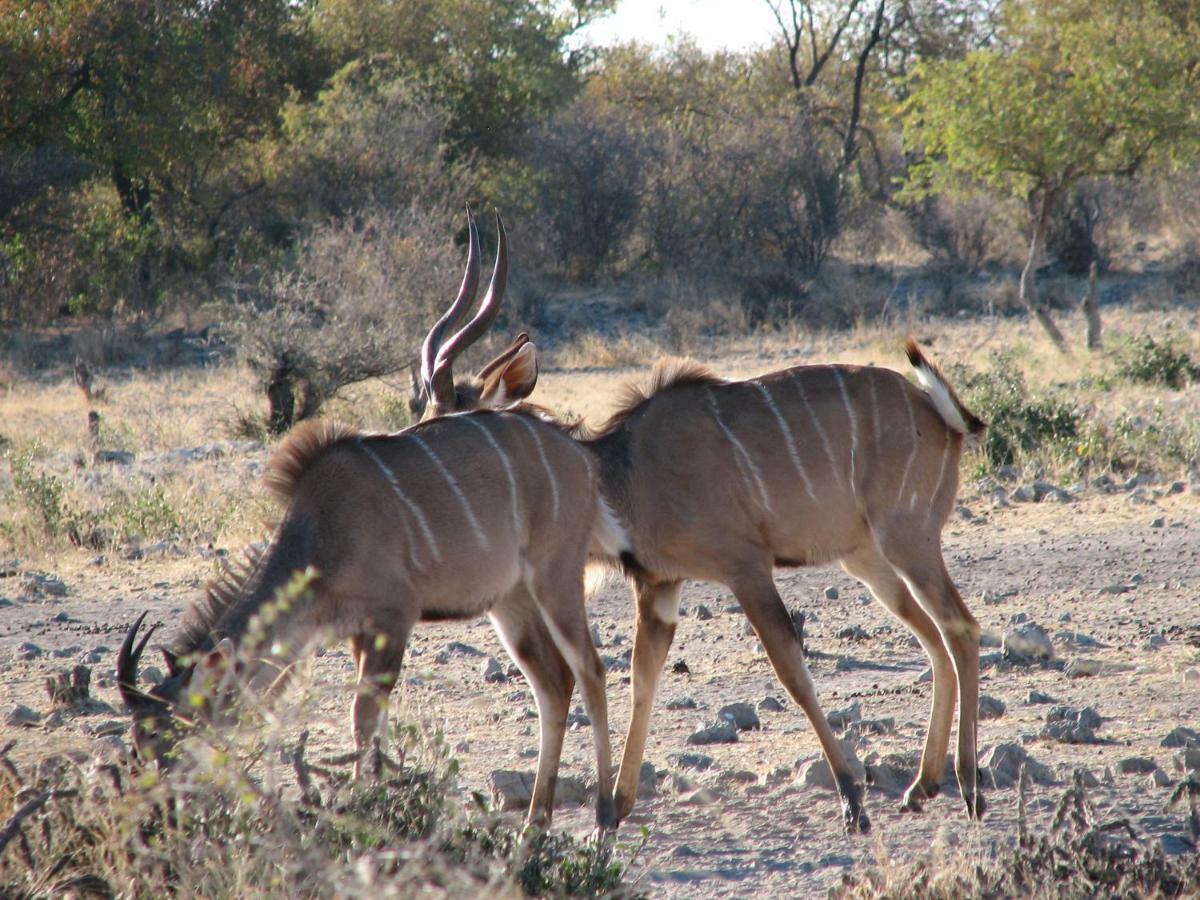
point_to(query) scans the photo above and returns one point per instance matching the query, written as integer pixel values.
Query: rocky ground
(1089, 596)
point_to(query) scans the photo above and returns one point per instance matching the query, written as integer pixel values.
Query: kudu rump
(723, 481)
(471, 511)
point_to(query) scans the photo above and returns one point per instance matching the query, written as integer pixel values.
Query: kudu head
(508, 378)
(164, 712)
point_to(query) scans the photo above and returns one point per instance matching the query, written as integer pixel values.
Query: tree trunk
(1091, 308)
(1028, 293)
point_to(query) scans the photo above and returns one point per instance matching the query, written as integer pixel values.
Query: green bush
(1020, 426)
(1147, 361)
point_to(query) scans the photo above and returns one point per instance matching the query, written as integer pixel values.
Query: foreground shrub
(227, 824)
(1147, 361)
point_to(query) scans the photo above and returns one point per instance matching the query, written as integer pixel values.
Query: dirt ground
(1113, 577)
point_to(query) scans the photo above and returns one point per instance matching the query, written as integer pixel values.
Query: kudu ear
(218, 661)
(514, 380)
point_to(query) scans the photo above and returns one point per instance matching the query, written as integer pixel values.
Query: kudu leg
(562, 606)
(924, 573)
(657, 613)
(377, 661)
(869, 567)
(531, 645)
(764, 607)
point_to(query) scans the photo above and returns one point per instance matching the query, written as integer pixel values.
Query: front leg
(377, 658)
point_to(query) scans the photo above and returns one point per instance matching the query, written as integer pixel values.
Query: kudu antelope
(723, 481)
(471, 511)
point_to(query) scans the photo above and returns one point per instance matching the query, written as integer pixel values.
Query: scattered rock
(647, 780)
(22, 715)
(70, 689)
(681, 668)
(1154, 642)
(1175, 844)
(831, 593)
(852, 633)
(840, 718)
(597, 641)
(1083, 668)
(703, 613)
(816, 773)
(741, 715)
(1181, 736)
(1158, 522)
(1188, 760)
(697, 761)
(620, 663)
(871, 727)
(1028, 641)
(1136, 765)
(152, 674)
(513, 790)
(1004, 761)
(681, 703)
(27, 651)
(1072, 726)
(1159, 778)
(1077, 639)
(991, 707)
(1033, 698)
(578, 720)
(704, 796)
(715, 733)
(36, 583)
(460, 649)
(770, 704)
(493, 672)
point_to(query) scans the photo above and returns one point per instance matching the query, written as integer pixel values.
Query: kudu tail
(952, 410)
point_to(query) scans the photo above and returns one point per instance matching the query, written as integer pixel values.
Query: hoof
(604, 836)
(624, 805)
(915, 797)
(854, 815)
(976, 806)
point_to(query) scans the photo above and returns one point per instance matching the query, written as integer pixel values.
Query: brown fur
(222, 591)
(666, 374)
(306, 443)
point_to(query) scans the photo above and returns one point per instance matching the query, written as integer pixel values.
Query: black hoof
(915, 797)
(976, 806)
(854, 815)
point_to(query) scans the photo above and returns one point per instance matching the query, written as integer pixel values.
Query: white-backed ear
(515, 380)
(218, 661)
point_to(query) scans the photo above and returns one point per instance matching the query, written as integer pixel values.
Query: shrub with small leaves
(1147, 361)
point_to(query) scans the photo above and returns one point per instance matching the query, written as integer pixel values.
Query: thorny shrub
(227, 823)
(1147, 361)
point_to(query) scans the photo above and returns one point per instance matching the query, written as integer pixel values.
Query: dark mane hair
(221, 591)
(299, 450)
(666, 375)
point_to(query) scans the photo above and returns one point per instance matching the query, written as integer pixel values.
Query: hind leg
(377, 660)
(869, 567)
(657, 613)
(531, 646)
(921, 567)
(559, 597)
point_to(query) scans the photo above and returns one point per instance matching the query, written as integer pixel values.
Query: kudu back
(724, 481)
(469, 512)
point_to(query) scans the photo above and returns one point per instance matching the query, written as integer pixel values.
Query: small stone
(840, 718)
(1136, 765)
(1083, 668)
(740, 714)
(461, 649)
(1115, 588)
(747, 628)
(620, 663)
(770, 704)
(27, 651)
(1076, 639)
(22, 715)
(697, 761)
(647, 780)
(1176, 487)
(681, 703)
(926, 676)
(1181, 736)
(493, 672)
(1158, 522)
(704, 796)
(597, 641)
(865, 727)
(578, 720)
(1188, 760)
(1023, 494)
(991, 707)
(1176, 844)
(1028, 641)
(1004, 761)
(1159, 778)
(1033, 698)
(703, 613)
(852, 633)
(512, 790)
(681, 668)
(42, 583)
(152, 674)
(816, 773)
(715, 733)
(1154, 642)
(831, 593)
(1191, 675)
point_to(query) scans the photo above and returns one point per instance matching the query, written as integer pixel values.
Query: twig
(13, 826)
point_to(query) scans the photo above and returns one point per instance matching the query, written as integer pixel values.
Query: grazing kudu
(723, 481)
(471, 511)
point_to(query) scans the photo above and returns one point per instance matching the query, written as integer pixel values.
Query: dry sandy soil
(1112, 577)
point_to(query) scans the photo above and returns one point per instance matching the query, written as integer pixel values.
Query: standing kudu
(723, 481)
(487, 511)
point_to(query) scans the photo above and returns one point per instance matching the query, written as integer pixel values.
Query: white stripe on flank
(508, 470)
(837, 374)
(875, 418)
(480, 534)
(837, 472)
(745, 463)
(912, 454)
(412, 507)
(537, 440)
(787, 436)
(941, 474)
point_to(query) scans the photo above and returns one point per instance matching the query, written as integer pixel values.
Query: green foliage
(1019, 425)
(1147, 361)
(1069, 90)
(40, 492)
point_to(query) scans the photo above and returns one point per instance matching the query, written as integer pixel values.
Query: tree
(1070, 90)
